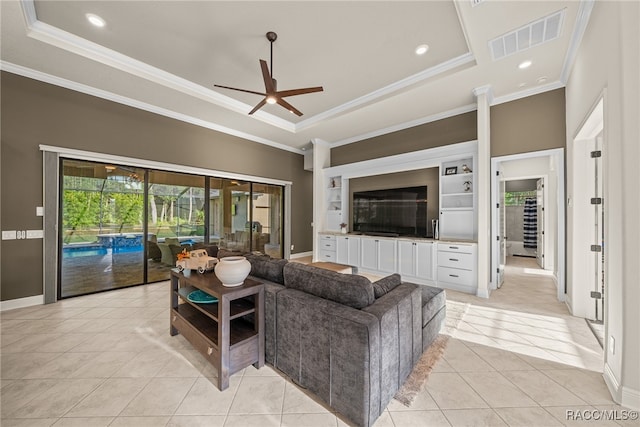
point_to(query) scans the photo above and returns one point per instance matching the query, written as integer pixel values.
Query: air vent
(531, 35)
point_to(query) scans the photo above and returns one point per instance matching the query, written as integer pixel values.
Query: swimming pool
(95, 250)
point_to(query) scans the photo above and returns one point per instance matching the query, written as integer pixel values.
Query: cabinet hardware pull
(453, 259)
(453, 247)
(209, 351)
(454, 275)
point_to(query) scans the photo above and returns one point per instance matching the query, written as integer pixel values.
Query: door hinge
(596, 153)
(498, 205)
(498, 238)
(542, 232)
(596, 248)
(498, 270)
(596, 295)
(596, 200)
(497, 173)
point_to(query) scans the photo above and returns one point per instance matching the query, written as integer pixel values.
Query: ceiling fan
(273, 95)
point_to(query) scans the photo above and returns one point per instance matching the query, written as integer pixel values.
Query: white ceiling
(165, 57)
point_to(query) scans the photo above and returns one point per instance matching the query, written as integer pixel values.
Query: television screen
(395, 211)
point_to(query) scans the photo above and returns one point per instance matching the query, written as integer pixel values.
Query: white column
(321, 160)
(483, 173)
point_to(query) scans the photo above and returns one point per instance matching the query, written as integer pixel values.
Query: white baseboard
(483, 293)
(612, 383)
(630, 398)
(301, 255)
(21, 302)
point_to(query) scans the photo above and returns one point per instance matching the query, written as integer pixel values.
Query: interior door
(540, 233)
(503, 230)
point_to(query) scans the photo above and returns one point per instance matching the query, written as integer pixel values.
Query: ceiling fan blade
(268, 81)
(241, 90)
(259, 106)
(288, 106)
(294, 92)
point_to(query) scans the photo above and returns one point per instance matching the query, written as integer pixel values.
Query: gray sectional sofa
(349, 341)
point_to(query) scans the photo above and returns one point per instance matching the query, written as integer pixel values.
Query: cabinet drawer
(208, 349)
(329, 256)
(327, 245)
(327, 237)
(453, 275)
(452, 247)
(455, 260)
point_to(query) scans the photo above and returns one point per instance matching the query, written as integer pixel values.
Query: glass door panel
(102, 227)
(267, 216)
(176, 215)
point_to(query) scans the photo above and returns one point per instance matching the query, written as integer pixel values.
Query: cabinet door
(369, 254)
(387, 255)
(424, 264)
(354, 251)
(456, 224)
(342, 250)
(406, 258)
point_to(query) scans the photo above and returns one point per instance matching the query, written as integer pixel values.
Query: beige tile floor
(515, 359)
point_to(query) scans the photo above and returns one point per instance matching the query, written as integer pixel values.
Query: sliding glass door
(101, 237)
(175, 219)
(124, 226)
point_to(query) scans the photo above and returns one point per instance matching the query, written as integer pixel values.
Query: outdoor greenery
(94, 206)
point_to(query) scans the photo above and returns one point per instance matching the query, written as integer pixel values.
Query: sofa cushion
(224, 252)
(350, 290)
(433, 299)
(212, 250)
(267, 268)
(386, 284)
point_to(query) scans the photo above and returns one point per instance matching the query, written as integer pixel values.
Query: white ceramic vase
(232, 270)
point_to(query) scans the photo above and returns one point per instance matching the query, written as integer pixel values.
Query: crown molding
(582, 20)
(528, 92)
(110, 96)
(54, 36)
(406, 125)
(387, 90)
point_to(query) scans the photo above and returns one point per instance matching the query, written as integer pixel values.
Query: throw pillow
(267, 268)
(386, 284)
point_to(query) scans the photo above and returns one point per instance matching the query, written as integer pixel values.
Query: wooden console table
(220, 331)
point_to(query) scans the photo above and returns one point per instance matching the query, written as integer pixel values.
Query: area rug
(420, 374)
(418, 377)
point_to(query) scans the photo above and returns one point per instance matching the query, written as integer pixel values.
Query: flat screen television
(393, 212)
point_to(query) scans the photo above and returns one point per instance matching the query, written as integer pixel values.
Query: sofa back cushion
(386, 284)
(267, 268)
(348, 289)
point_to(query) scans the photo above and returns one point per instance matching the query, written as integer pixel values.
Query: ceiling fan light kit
(272, 95)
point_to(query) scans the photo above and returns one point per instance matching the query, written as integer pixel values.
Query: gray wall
(447, 131)
(428, 177)
(36, 113)
(529, 124)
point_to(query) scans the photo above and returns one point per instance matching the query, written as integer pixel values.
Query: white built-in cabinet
(348, 250)
(458, 199)
(415, 259)
(378, 254)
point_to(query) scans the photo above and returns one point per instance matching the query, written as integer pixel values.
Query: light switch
(35, 234)
(9, 235)
(39, 211)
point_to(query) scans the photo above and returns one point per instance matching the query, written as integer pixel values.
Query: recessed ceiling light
(271, 100)
(542, 79)
(525, 64)
(422, 49)
(95, 20)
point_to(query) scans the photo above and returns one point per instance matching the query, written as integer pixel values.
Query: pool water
(80, 251)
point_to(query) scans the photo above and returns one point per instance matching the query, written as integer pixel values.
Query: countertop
(424, 239)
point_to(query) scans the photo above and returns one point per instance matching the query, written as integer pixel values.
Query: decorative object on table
(466, 186)
(201, 297)
(198, 259)
(452, 170)
(343, 228)
(232, 270)
(465, 169)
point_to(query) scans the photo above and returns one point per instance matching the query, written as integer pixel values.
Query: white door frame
(557, 155)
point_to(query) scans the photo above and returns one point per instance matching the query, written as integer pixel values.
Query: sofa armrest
(400, 315)
(332, 350)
